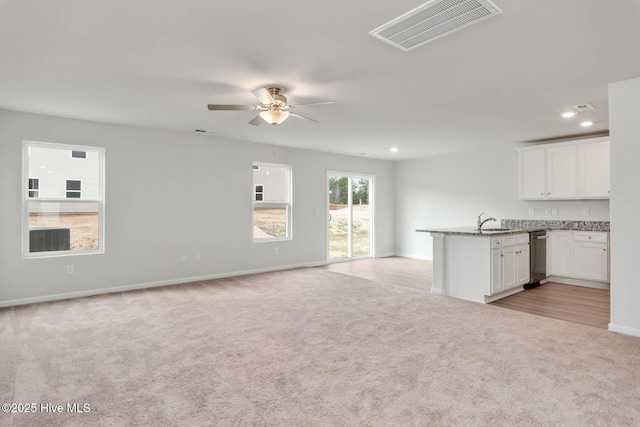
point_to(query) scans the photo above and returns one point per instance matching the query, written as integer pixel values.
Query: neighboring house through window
(271, 202)
(62, 216)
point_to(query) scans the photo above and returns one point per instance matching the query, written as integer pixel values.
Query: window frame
(287, 204)
(100, 200)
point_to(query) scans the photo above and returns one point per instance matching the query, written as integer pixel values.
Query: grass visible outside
(83, 227)
(339, 231)
(270, 222)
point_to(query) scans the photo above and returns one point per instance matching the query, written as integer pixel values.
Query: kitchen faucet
(481, 222)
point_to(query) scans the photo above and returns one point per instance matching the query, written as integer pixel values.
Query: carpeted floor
(309, 347)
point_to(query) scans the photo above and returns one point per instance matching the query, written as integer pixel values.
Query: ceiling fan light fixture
(274, 116)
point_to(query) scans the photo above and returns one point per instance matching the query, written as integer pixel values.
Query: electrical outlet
(196, 258)
(586, 211)
(184, 259)
(275, 251)
(70, 269)
(554, 211)
(532, 211)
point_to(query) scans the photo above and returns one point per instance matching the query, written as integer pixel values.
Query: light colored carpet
(310, 347)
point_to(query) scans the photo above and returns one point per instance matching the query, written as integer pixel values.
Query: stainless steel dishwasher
(537, 258)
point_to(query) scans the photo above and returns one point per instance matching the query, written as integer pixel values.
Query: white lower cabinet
(561, 250)
(509, 262)
(579, 255)
(591, 256)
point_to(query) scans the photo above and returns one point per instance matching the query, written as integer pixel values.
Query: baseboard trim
(626, 330)
(578, 282)
(88, 293)
(414, 256)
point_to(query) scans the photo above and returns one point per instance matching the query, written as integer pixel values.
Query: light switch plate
(554, 211)
(547, 211)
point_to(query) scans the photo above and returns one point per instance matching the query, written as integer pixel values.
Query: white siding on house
(54, 166)
(274, 181)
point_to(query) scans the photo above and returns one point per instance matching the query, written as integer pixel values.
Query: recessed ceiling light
(586, 124)
(393, 149)
(569, 114)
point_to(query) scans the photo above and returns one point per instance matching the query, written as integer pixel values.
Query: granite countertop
(515, 226)
(472, 231)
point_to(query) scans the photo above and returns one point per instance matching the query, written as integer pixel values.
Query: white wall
(625, 205)
(450, 191)
(171, 194)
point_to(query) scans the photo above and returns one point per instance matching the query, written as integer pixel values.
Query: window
(78, 154)
(259, 192)
(34, 186)
(271, 202)
(74, 188)
(62, 216)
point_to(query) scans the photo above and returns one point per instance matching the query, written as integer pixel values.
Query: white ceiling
(158, 63)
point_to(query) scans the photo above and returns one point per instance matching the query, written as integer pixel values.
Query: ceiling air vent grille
(433, 20)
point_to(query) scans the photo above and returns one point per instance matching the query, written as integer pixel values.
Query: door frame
(350, 176)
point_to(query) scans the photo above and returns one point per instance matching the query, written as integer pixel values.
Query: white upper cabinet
(566, 171)
(533, 174)
(562, 172)
(594, 170)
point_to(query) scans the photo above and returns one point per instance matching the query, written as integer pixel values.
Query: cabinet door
(562, 170)
(509, 268)
(591, 261)
(496, 271)
(522, 264)
(594, 169)
(532, 174)
(562, 251)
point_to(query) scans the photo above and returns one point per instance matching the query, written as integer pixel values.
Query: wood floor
(412, 273)
(565, 302)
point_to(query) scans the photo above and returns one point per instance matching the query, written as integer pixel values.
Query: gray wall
(170, 194)
(450, 191)
(625, 205)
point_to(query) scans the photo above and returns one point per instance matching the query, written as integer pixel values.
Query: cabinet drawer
(522, 239)
(590, 236)
(509, 241)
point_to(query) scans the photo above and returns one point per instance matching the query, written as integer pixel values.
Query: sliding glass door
(350, 204)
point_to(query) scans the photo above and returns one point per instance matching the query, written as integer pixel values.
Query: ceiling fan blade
(298, 116)
(312, 103)
(222, 107)
(264, 96)
(257, 121)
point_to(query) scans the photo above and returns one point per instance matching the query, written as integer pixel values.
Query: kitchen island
(481, 266)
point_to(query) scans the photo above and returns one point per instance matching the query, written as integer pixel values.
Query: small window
(259, 192)
(74, 189)
(271, 202)
(78, 154)
(34, 187)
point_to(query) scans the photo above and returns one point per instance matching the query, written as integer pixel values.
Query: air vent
(433, 20)
(583, 107)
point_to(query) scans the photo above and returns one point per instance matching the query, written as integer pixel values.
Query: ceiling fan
(273, 107)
